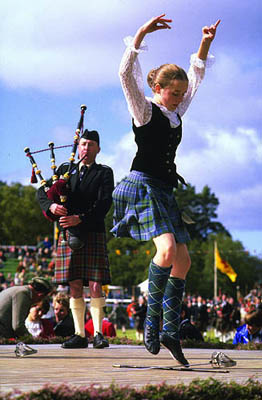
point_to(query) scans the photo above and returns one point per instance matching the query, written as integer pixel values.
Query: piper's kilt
(90, 263)
(145, 207)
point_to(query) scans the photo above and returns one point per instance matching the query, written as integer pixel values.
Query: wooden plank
(82, 367)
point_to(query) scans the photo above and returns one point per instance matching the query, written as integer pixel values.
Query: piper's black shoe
(151, 339)
(99, 341)
(75, 342)
(174, 348)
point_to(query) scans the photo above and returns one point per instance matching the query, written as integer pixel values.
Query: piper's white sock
(97, 312)
(78, 308)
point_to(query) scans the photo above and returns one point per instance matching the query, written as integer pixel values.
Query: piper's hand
(209, 32)
(70, 220)
(57, 209)
(156, 23)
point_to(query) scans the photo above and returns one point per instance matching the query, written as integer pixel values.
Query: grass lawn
(11, 265)
(130, 333)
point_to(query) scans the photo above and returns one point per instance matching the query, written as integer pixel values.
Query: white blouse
(34, 328)
(140, 106)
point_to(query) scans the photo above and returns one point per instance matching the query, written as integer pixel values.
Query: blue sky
(57, 55)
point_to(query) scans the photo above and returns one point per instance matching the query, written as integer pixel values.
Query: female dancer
(145, 207)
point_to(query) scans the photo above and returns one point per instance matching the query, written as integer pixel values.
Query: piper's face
(88, 148)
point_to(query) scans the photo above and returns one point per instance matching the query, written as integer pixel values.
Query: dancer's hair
(165, 74)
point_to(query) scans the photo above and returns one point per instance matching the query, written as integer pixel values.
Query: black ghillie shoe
(151, 339)
(99, 341)
(174, 348)
(75, 342)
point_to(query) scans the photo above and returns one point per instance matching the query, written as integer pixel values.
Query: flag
(224, 266)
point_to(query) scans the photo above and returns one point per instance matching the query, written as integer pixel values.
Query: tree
(128, 265)
(109, 223)
(21, 218)
(201, 207)
(200, 279)
(129, 259)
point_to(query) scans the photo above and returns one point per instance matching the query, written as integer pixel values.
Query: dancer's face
(172, 95)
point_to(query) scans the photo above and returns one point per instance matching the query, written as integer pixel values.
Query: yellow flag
(224, 266)
(56, 233)
(105, 289)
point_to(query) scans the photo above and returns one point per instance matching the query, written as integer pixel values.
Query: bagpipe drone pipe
(59, 190)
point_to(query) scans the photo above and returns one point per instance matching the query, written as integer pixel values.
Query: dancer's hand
(208, 35)
(154, 24)
(209, 32)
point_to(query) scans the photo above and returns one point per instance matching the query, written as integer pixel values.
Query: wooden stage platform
(83, 367)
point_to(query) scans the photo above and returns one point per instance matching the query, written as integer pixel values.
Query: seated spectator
(118, 316)
(37, 326)
(20, 274)
(44, 264)
(15, 303)
(2, 278)
(2, 265)
(251, 331)
(64, 324)
(2, 256)
(108, 328)
(139, 313)
(51, 267)
(33, 265)
(130, 311)
(9, 279)
(188, 330)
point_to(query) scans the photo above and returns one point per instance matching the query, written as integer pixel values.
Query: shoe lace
(152, 333)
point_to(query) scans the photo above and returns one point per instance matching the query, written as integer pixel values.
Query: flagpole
(215, 272)
(54, 241)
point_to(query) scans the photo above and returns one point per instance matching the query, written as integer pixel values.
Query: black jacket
(91, 198)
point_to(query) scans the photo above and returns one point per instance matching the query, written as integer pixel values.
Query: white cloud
(75, 47)
(230, 163)
(223, 159)
(242, 209)
(121, 157)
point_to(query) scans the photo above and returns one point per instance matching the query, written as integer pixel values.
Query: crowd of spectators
(31, 261)
(225, 316)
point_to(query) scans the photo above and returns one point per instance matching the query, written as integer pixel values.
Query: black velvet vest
(157, 143)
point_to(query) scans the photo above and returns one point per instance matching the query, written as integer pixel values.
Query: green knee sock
(172, 305)
(157, 280)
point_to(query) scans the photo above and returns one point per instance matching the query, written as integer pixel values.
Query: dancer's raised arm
(154, 24)
(208, 35)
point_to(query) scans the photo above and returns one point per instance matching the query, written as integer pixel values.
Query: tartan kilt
(90, 263)
(145, 207)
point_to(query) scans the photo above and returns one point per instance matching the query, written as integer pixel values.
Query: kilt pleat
(145, 207)
(90, 263)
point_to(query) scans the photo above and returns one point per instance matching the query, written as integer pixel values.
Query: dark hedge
(196, 390)
(124, 340)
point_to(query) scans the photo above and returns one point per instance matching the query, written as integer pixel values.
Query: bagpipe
(59, 190)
